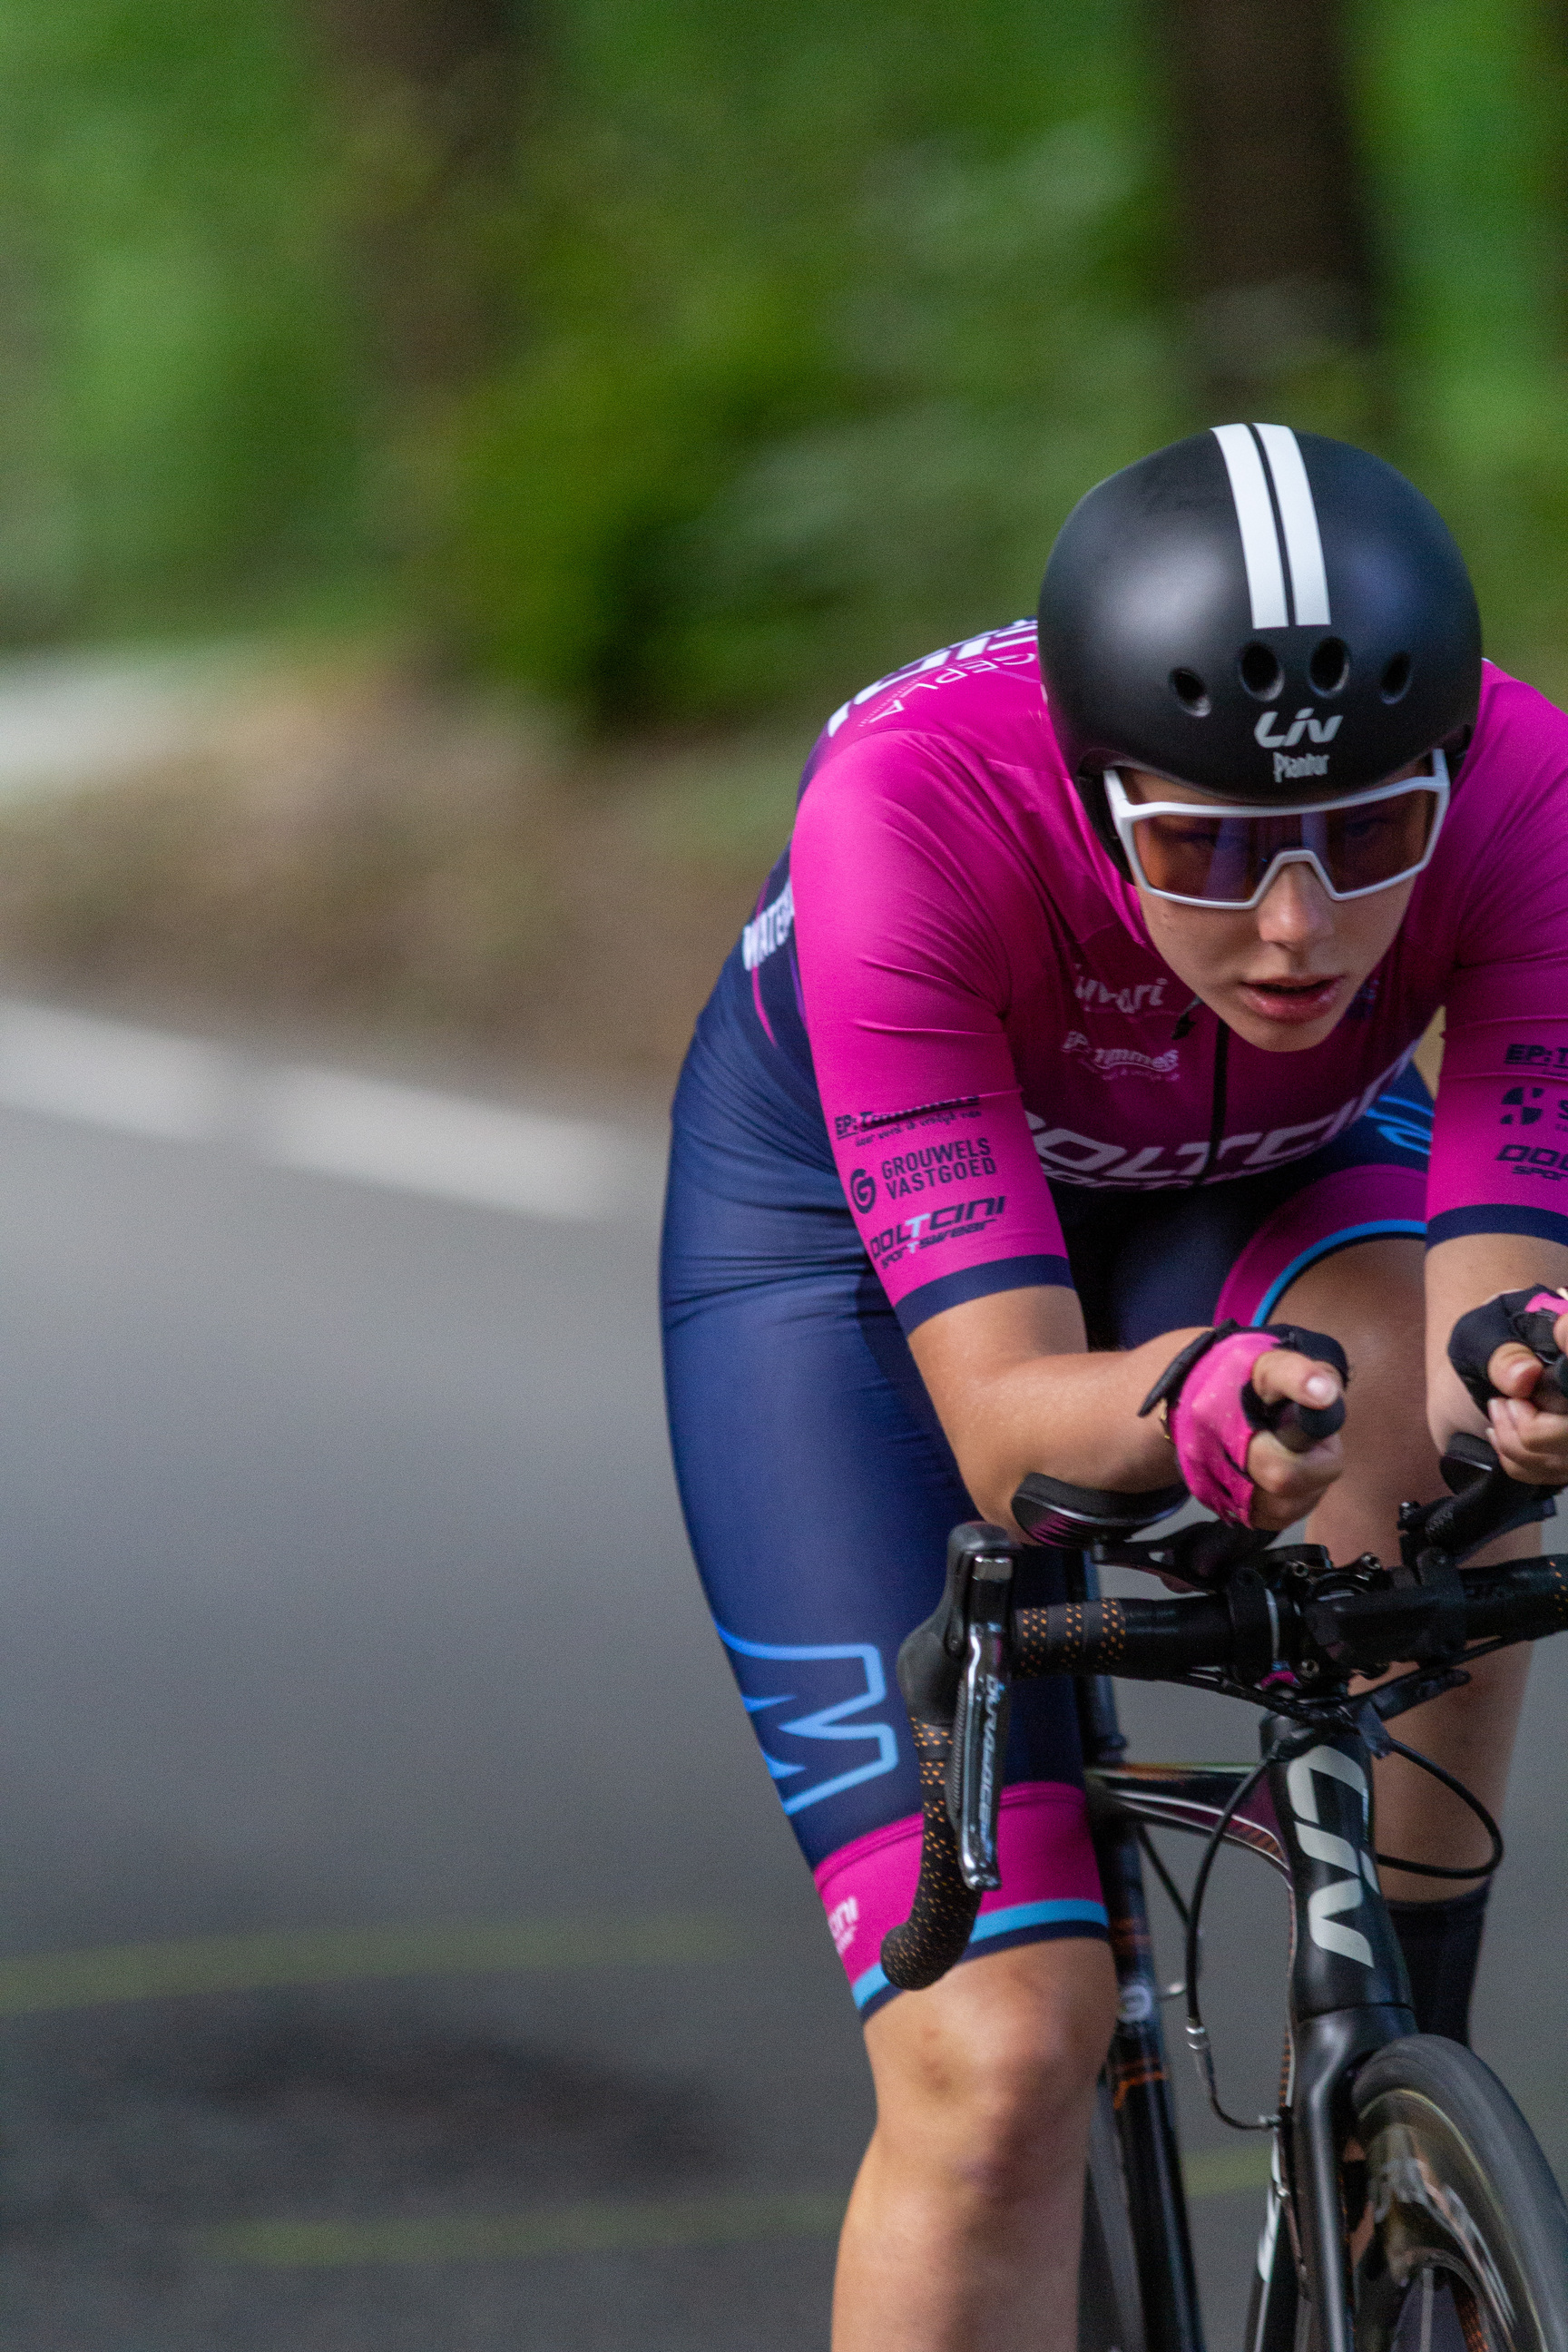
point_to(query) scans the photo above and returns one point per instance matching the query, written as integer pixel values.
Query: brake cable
(1191, 1913)
(1466, 1796)
(1157, 1863)
(1173, 1895)
(1197, 2032)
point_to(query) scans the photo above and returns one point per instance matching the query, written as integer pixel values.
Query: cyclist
(1070, 1028)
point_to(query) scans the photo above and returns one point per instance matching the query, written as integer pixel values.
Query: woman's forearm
(1014, 1394)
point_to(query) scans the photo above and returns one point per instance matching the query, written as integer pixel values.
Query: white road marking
(95, 719)
(110, 1074)
(417, 1141)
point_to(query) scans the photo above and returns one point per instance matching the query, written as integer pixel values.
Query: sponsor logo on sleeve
(932, 1167)
(863, 1189)
(929, 1228)
(1535, 1160)
(1524, 1106)
(871, 1126)
(1526, 1054)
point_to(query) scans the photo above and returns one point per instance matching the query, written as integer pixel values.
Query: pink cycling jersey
(984, 1006)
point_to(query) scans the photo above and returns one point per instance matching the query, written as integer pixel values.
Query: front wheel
(1110, 2311)
(1460, 2198)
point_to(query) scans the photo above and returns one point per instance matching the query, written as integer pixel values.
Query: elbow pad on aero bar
(1213, 1411)
(1527, 1316)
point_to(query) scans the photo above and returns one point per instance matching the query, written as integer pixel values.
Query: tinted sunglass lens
(1365, 846)
(1222, 859)
(1203, 857)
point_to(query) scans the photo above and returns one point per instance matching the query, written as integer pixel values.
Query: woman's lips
(1295, 1002)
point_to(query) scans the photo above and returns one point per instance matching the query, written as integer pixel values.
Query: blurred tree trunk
(431, 94)
(1276, 248)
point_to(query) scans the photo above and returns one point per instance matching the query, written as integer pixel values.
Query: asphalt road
(399, 1943)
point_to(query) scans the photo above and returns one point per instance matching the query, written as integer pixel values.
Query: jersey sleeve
(905, 899)
(1500, 1143)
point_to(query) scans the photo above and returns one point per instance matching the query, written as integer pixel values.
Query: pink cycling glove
(1213, 1412)
(1210, 1429)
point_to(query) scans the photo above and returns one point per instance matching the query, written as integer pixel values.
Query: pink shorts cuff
(1355, 1205)
(1050, 1883)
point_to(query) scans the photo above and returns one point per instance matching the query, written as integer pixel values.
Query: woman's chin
(1279, 1036)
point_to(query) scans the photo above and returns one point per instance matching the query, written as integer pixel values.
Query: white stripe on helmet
(1255, 518)
(1298, 516)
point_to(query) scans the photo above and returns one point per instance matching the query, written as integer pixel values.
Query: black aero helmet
(1270, 616)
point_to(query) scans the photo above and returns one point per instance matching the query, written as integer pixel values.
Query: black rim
(1434, 2215)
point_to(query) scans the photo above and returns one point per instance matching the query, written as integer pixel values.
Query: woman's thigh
(1146, 1263)
(819, 1494)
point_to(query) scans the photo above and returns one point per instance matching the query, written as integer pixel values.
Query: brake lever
(980, 1730)
(952, 1673)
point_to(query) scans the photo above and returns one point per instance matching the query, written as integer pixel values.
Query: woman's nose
(1295, 910)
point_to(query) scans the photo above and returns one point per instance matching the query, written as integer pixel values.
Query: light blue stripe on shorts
(1068, 1911)
(1326, 1247)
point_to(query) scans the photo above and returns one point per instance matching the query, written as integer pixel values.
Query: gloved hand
(1524, 1318)
(1509, 1354)
(1214, 1412)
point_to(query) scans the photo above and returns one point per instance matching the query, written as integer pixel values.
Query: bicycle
(1401, 2166)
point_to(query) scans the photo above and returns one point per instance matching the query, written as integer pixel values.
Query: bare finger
(1514, 1369)
(1283, 1374)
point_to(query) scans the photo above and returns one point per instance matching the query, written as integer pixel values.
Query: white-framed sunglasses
(1206, 853)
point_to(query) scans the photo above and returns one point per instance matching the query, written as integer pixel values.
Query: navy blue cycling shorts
(818, 1487)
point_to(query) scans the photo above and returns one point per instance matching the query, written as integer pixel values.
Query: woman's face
(1280, 973)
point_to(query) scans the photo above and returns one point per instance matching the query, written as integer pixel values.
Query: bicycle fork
(1348, 1994)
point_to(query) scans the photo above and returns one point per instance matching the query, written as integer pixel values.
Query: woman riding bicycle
(1070, 1026)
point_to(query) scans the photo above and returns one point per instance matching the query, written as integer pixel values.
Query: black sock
(1442, 1946)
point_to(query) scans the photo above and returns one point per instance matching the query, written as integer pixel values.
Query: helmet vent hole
(1191, 692)
(1330, 665)
(1395, 678)
(1260, 671)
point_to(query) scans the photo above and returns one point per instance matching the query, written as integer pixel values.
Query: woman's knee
(1369, 1298)
(989, 2077)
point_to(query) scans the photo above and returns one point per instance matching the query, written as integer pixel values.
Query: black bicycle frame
(1311, 1817)
(1135, 2069)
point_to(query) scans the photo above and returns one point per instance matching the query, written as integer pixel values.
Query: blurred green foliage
(179, 421)
(1466, 107)
(823, 318)
(835, 313)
